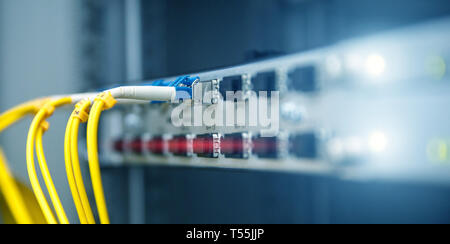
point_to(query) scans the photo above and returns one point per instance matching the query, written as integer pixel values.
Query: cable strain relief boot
(49, 109)
(82, 109)
(108, 99)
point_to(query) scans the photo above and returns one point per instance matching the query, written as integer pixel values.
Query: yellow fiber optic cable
(13, 115)
(79, 115)
(70, 175)
(32, 204)
(10, 119)
(12, 194)
(59, 209)
(46, 111)
(102, 102)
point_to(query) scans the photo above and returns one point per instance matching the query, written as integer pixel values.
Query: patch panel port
(304, 145)
(267, 147)
(156, 145)
(265, 82)
(119, 146)
(236, 145)
(231, 84)
(207, 146)
(136, 146)
(180, 145)
(303, 79)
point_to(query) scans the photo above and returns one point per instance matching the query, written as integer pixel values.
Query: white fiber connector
(129, 94)
(149, 93)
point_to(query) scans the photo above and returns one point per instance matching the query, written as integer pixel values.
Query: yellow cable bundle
(13, 115)
(44, 108)
(8, 185)
(35, 132)
(46, 175)
(70, 176)
(102, 102)
(74, 175)
(12, 194)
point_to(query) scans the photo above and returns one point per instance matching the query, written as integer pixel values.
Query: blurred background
(52, 47)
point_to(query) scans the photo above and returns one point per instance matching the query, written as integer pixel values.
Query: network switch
(345, 103)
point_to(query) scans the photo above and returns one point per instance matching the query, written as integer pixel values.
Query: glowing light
(438, 151)
(436, 67)
(377, 142)
(375, 65)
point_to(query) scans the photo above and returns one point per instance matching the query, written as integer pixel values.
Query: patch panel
(337, 124)
(235, 145)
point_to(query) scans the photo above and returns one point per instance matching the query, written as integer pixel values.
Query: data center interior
(364, 133)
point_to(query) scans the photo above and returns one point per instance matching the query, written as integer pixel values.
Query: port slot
(304, 145)
(206, 92)
(136, 146)
(207, 146)
(180, 146)
(156, 145)
(266, 81)
(303, 79)
(231, 83)
(235, 146)
(119, 146)
(267, 147)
